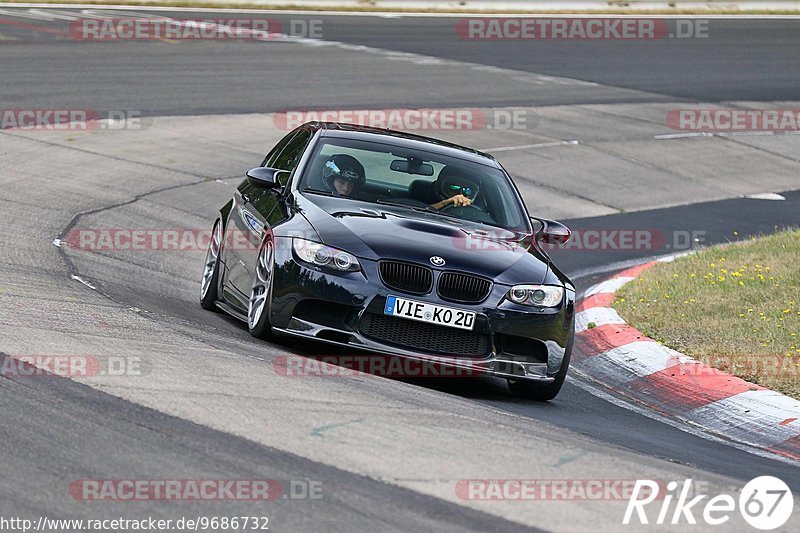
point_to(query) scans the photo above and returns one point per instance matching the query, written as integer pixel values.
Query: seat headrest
(421, 190)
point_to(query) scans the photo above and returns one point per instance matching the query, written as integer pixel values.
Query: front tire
(261, 293)
(210, 281)
(531, 390)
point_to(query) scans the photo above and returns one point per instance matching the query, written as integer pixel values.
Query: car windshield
(382, 173)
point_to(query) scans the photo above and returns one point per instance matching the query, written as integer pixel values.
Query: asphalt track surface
(740, 60)
(57, 430)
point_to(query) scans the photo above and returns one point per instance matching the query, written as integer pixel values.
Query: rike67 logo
(765, 503)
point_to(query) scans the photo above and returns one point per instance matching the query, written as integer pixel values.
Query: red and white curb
(624, 360)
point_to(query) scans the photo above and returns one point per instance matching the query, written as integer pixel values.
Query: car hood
(375, 231)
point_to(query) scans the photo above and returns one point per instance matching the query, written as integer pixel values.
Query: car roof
(408, 140)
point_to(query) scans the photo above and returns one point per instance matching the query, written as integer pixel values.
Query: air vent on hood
(432, 228)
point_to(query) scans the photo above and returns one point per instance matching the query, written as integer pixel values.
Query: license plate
(430, 313)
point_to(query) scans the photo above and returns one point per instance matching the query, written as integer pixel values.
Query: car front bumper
(521, 343)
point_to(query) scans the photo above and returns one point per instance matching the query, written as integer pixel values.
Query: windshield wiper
(425, 209)
(317, 191)
(431, 210)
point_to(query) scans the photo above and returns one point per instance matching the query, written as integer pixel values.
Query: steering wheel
(450, 207)
(470, 213)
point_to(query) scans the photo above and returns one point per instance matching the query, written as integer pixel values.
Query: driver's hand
(459, 200)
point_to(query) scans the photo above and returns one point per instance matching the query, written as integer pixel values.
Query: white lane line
(672, 257)
(527, 146)
(401, 14)
(765, 196)
(83, 281)
(610, 285)
(417, 59)
(682, 135)
(420, 59)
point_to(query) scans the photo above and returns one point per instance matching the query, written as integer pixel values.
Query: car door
(236, 234)
(261, 208)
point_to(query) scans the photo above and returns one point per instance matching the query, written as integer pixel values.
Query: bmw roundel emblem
(437, 261)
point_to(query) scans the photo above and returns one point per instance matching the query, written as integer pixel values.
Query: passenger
(343, 175)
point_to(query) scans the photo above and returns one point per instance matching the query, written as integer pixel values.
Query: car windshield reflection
(417, 180)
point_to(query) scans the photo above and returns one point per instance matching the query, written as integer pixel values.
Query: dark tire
(258, 308)
(209, 284)
(531, 390)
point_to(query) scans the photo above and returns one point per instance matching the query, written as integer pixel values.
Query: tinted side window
(276, 150)
(290, 155)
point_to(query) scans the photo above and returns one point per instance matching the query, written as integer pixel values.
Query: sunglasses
(467, 190)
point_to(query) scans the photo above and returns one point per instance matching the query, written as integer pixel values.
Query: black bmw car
(399, 245)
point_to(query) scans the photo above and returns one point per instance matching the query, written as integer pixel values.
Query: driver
(453, 189)
(343, 175)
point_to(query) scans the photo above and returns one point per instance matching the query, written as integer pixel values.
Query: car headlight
(536, 295)
(325, 256)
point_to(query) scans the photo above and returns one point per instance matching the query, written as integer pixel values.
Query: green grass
(735, 307)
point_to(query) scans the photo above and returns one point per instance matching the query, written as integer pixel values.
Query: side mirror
(265, 177)
(552, 232)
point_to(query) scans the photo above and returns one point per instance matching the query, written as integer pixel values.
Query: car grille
(427, 338)
(463, 287)
(406, 277)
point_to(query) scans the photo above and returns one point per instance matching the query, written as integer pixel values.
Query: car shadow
(477, 387)
(472, 387)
